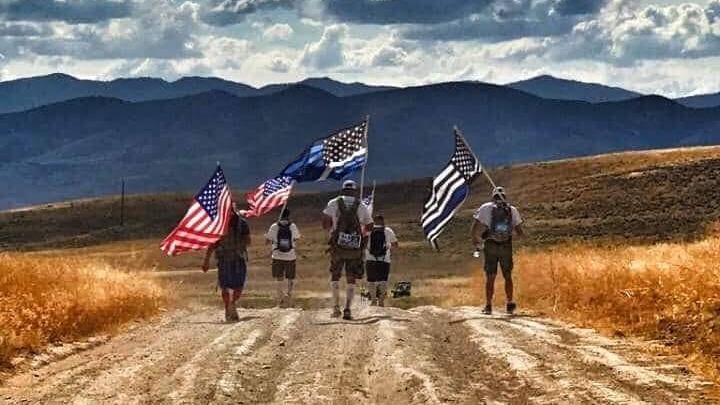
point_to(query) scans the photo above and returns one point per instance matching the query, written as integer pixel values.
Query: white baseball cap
(349, 185)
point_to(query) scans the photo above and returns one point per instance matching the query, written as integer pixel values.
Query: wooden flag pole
(367, 150)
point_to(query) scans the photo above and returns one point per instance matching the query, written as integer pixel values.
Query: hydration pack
(501, 224)
(284, 237)
(378, 243)
(347, 239)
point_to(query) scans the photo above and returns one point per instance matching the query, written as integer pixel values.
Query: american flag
(206, 220)
(271, 194)
(450, 188)
(333, 157)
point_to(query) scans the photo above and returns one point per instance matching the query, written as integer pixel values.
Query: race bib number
(348, 240)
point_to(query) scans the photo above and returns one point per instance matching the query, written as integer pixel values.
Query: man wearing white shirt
(377, 259)
(492, 231)
(346, 219)
(283, 236)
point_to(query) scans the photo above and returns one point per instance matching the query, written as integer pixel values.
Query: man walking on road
(377, 260)
(495, 223)
(231, 254)
(345, 218)
(283, 236)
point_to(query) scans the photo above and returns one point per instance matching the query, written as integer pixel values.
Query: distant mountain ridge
(551, 87)
(24, 94)
(82, 147)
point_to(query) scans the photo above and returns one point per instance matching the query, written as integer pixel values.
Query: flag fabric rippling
(333, 157)
(272, 193)
(449, 190)
(206, 220)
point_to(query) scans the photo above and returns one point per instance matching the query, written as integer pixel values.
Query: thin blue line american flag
(272, 193)
(449, 190)
(205, 221)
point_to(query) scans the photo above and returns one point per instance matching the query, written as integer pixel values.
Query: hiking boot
(347, 315)
(381, 302)
(487, 310)
(336, 312)
(227, 314)
(511, 307)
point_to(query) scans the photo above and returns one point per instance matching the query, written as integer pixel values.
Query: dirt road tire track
(386, 355)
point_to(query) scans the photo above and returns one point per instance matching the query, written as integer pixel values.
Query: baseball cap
(499, 192)
(349, 185)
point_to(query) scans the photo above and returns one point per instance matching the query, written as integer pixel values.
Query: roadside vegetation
(47, 300)
(668, 293)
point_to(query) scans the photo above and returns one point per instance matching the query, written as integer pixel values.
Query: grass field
(47, 300)
(621, 242)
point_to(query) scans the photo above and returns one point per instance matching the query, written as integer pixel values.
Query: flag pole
(367, 150)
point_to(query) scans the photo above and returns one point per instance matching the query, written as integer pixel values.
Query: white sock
(290, 284)
(350, 295)
(335, 289)
(372, 286)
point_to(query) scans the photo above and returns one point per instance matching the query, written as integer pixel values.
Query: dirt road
(386, 355)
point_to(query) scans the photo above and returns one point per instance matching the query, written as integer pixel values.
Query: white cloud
(278, 32)
(328, 52)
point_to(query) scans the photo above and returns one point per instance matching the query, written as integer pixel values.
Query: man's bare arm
(208, 254)
(478, 228)
(327, 222)
(520, 231)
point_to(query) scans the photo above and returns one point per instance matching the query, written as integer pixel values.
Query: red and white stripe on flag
(206, 220)
(272, 193)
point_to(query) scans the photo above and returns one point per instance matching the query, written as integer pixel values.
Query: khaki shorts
(283, 269)
(353, 269)
(498, 253)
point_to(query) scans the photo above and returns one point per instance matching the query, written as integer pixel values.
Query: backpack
(501, 224)
(378, 243)
(284, 237)
(346, 239)
(234, 243)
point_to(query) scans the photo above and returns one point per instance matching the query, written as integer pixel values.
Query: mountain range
(83, 146)
(23, 94)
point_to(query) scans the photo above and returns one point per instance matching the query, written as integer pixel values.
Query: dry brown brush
(44, 300)
(667, 292)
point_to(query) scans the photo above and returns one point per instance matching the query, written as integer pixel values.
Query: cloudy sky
(668, 47)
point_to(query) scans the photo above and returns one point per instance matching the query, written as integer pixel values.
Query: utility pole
(122, 203)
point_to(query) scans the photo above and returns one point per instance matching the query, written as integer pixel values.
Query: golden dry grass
(667, 292)
(54, 299)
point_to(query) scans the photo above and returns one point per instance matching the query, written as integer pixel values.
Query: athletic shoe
(347, 315)
(487, 310)
(511, 307)
(336, 312)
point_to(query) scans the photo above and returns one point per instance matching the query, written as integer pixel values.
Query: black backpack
(284, 237)
(378, 244)
(501, 224)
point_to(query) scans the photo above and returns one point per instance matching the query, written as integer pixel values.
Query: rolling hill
(82, 147)
(632, 197)
(551, 87)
